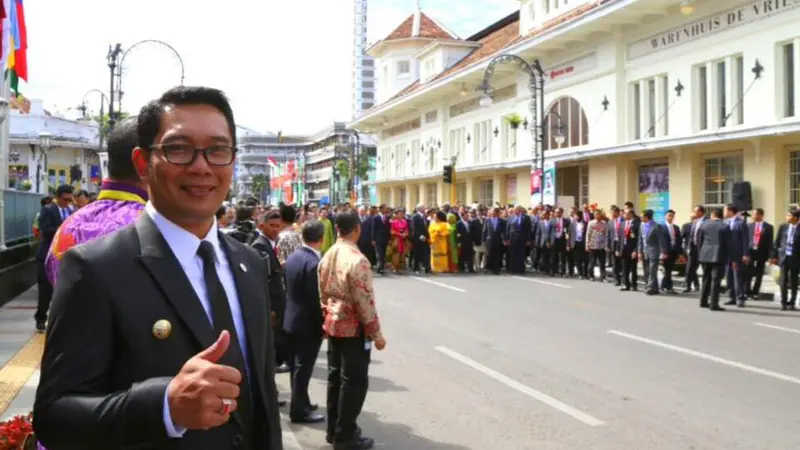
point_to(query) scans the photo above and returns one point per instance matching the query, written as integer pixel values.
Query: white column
(713, 98)
(796, 77)
(644, 109)
(661, 108)
(731, 99)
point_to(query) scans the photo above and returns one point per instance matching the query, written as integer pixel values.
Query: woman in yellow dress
(439, 231)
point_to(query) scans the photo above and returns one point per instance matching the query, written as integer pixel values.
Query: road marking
(776, 327)
(290, 441)
(707, 357)
(19, 369)
(446, 286)
(548, 283)
(530, 392)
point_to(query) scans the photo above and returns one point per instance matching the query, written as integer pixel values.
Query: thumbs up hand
(203, 394)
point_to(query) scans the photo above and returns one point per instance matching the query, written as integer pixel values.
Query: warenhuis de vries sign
(698, 29)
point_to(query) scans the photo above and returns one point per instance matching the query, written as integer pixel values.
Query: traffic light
(447, 174)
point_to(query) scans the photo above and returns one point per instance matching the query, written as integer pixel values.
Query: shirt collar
(184, 245)
(316, 252)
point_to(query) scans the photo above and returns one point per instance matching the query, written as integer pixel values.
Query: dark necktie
(223, 320)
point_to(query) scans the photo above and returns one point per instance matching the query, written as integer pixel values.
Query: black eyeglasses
(185, 154)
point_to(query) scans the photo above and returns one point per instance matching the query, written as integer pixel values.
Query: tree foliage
(104, 121)
(362, 171)
(259, 184)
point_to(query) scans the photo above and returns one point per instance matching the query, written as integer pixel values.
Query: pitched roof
(428, 28)
(492, 42)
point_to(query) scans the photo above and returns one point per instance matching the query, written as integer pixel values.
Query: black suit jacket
(476, 232)
(676, 248)
(303, 309)
(419, 228)
(380, 230)
(365, 238)
(518, 230)
(276, 289)
(779, 251)
(764, 249)
(714, 242)
(49, 221)
(104, 374)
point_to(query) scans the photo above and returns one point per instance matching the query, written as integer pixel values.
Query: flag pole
(5, 147)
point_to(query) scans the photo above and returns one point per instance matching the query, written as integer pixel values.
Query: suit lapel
(158, 259)
(254, 310)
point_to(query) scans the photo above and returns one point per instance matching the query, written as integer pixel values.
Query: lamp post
(83, 108)
(125, 54)
(112, 57)
(4, 150)
(355, 165)
(45, 140)
(536, 77)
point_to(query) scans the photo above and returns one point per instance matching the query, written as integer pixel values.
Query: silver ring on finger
(226, 406)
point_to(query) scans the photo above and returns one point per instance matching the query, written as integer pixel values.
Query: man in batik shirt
(121, 200)
(352, 325)
(289, 239)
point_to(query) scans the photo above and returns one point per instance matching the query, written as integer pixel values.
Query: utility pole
(113, 55)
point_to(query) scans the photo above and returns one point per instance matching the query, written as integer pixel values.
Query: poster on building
(654, 190)
(511, 189)
(549, 183)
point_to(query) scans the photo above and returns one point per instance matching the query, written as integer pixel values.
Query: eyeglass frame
(196, 151)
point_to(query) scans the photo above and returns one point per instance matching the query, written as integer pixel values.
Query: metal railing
(20, 209)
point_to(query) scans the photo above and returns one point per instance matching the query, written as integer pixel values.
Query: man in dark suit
(160, 336)
(380, 235)
(761, 238)
(50, 218)
(544, 243)
(652, 249)
(365, 240)
(303, 320)
(476, 235)
(494, 230)
(674, 241)
(614, 225)
(265, 245)
(420, 241)
(518, 232)
(786, 254)
(628, 241)
(739, 255)
(558, 250)
(692, 249)
(713, 242)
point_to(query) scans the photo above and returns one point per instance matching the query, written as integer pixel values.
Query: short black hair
(121, 142)
(272, 215)
(670, 211)
(150, 115)
(760, 211)
(46, 200)
(244, 213)
(221, 212)
(251, 201)
(629, 205)
(313, 231)
(347, 222)
(796, 213)
(288, 214)
(701, 208)
(732, 208)
(81, 193)
(717, 212)
(647, 213)
(64, 189)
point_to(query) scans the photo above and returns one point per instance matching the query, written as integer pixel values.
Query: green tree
(258, 184)
(362, 171)
(103, 121)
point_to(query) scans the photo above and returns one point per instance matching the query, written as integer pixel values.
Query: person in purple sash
(119, 203)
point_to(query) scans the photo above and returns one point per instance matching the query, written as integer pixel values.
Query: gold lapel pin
(243, 267)
(162, 329)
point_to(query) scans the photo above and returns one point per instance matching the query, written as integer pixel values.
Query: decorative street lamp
(112, 57)
(536, 77)
(45, 140)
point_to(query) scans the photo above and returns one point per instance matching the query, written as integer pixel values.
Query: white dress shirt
(184, 246)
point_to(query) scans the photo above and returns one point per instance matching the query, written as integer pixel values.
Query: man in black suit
(692, 248)
(628, 241)
(494, 229)
(466, 257)
(544, 242)
(786, 254)
(674, 243)
(651, 249)
(420, 241)
(380, 235)
(265, 245)
(160, 336)
(558, 251)
(713, 242)
(519, 235)
(365, 240)
(739, 255)
(303, 320)
(50, 218)
(613, 227)
(476, 234)
(761, 239)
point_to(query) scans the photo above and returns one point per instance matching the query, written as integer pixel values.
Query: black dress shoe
(309, 417)
(41, 327)
(281, 403)
(730, 302)
(717, 308)
(283, 368)
(704, 305)
(362, 443)
(651, 292)
(625, 289)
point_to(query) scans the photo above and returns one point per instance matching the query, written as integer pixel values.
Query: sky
(285, 64)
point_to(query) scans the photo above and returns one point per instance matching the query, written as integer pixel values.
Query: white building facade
(658, 103)
(363, 73)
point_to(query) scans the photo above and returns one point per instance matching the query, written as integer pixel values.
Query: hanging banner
(654, 190)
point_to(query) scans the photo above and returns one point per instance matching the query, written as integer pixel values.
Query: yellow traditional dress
(440, 235)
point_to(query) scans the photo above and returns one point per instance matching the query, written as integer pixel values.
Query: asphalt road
(503, 362)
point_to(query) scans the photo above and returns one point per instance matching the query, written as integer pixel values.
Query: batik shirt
(117, 205)
(345, 291)
(288, 241)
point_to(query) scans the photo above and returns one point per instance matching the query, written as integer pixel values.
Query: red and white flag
(272, 162)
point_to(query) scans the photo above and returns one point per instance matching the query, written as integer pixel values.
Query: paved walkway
(20, 352)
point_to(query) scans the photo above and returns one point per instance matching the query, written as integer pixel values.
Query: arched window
(565, 117)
